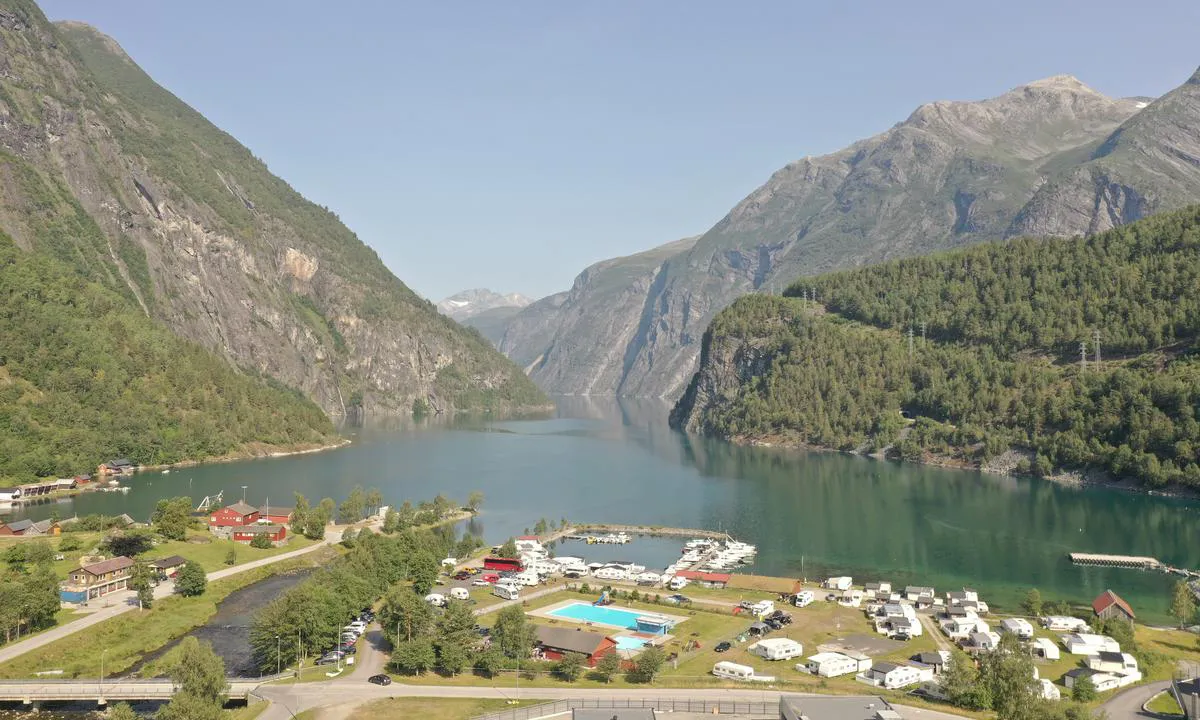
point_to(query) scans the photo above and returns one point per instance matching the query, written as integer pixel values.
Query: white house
(982, 642)
(892, 675)
(960, 627)
(1048, 690)
(881, 590)
(611, 572)
(851, 598)
(1045, 648)
(777, 649)
(829, 664)
(1017, 626)
(1089, 644)
(1063, 623)
(1101, 681)
(804, 598)
(842, 582)
(958, 597)
(1112, 662)
(914, 592)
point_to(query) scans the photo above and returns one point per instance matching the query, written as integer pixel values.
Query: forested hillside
(85, 376)
(998, 367)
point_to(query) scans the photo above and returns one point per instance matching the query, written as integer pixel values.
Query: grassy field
(248, 712)
(1164, 703)
(430, 708)
(128, 637)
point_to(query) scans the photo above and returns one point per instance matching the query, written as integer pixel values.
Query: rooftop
(168, 562)
(1107, 599)
(241, 508)
(612, 714)
(569, 639)
(835, 708)
(106, 566)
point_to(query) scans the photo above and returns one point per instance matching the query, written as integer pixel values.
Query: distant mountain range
(1052, 158)
(470, 303)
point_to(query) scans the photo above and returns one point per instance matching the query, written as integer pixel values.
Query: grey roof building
(798, 707)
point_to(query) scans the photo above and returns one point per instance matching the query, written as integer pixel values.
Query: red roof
(1107, 599)
(703, 576)
(528, 537)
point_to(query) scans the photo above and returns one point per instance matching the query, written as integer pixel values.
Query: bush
(262, 541)
(68, 544)
(191, 580)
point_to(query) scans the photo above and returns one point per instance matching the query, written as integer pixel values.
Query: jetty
(1130, 562)
(648, 530)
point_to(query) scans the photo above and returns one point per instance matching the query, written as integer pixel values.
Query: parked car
(330, 657)
(747, 604)
(479, 582)
(380, 680)
(678, 599)
(723, 646)
(461, 575)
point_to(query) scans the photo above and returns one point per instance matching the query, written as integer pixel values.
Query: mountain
(576, 342)
(1053, 157)
(469, 303)
(973, 357)
(204, 239)
(493, 323)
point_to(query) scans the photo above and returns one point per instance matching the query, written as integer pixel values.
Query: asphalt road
(290, 700)
(1127, 705)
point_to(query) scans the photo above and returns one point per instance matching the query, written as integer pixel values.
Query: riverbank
(251, 451)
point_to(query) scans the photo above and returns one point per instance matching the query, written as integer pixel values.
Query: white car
(479, 582)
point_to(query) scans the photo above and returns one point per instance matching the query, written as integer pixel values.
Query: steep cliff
(208, 241)
(1053, 157)
(577, 342)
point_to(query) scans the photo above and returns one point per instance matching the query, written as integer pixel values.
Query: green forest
(85, 377)
(995, 362)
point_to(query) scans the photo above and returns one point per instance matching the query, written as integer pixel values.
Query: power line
(1096, 342)
(1082, 356)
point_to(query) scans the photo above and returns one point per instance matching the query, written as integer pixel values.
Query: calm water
(809, 513)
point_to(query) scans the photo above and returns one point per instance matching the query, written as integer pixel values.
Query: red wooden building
(554, 642)
(223, 521)
(277, 533)
(705, 579)
(275, 515)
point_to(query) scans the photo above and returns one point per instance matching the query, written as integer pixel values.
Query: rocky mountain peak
(469, 303)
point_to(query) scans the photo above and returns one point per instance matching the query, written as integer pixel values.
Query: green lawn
(210, 551)
(1164, 703)
(430, 708)
(128, 637)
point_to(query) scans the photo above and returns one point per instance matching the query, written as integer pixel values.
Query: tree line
(998, 366)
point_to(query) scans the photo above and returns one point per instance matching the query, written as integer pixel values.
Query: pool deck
(614, 631)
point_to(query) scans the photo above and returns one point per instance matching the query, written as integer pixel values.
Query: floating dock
(651, 530)
(1130, 562)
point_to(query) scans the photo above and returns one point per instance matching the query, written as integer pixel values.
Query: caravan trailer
(508, 592)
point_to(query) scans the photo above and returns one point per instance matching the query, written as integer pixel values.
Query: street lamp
(278, 659)
(243, 493)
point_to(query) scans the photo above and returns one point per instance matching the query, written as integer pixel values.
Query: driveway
(1127, 705)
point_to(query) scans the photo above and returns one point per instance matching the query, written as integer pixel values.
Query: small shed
(1110, 605)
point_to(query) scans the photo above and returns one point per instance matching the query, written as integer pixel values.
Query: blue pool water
(594, 613)
(625, 642)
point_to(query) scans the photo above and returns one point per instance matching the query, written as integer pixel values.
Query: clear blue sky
(509, 145)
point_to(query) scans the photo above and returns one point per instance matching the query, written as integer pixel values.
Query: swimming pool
(624, 642)
(586, 612)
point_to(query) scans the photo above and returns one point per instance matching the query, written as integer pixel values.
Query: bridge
(103, 692)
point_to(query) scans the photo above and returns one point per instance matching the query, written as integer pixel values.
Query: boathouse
(17, 527)
(1110, 605)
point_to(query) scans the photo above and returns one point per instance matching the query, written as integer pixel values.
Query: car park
(380, 680)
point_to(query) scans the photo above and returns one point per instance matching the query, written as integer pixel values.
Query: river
(810, 513)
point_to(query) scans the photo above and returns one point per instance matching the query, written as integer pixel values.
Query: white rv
(460, 593)
(734, 671)
(508, 592)
(777, 649)
(804, 598)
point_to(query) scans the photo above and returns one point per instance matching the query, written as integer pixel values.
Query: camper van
(436, 599)
(677, 583)
(804, 598)
(460, 593)
(733, 671)
(508, 592)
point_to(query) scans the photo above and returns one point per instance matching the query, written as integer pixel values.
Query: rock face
(577, 342)
(211, 243)
(469, 303)
(1053, 157)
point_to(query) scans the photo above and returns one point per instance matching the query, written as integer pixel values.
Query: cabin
(938, 661)
(47, 527)
(850, 598)
(981, 642)
(276, 533)
(776, 649)
(610, 572)
(957, 597)
(1017, 626)
(1112, 662)
(704, 579)
(17, 527)
(1089, 644)
(960, 628)
(120, 466)
(222, 521)
(168, 567)
(892, 676)
(829, 664)
(1109, 605)
(881, 590)
(554, 642)
(1101, 681)
(914, 592)
(89, 582)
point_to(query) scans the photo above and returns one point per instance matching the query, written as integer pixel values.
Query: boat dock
(581, 531)
(1131, 562)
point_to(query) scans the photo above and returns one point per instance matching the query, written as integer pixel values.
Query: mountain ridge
(210, 243)
(953, 173)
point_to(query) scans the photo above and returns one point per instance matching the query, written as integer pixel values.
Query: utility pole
(1082, 356)
(910, 341)
(1096, 342)
(923, 324)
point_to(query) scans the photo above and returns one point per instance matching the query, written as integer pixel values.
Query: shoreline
(243, 455)
(1078, 479)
